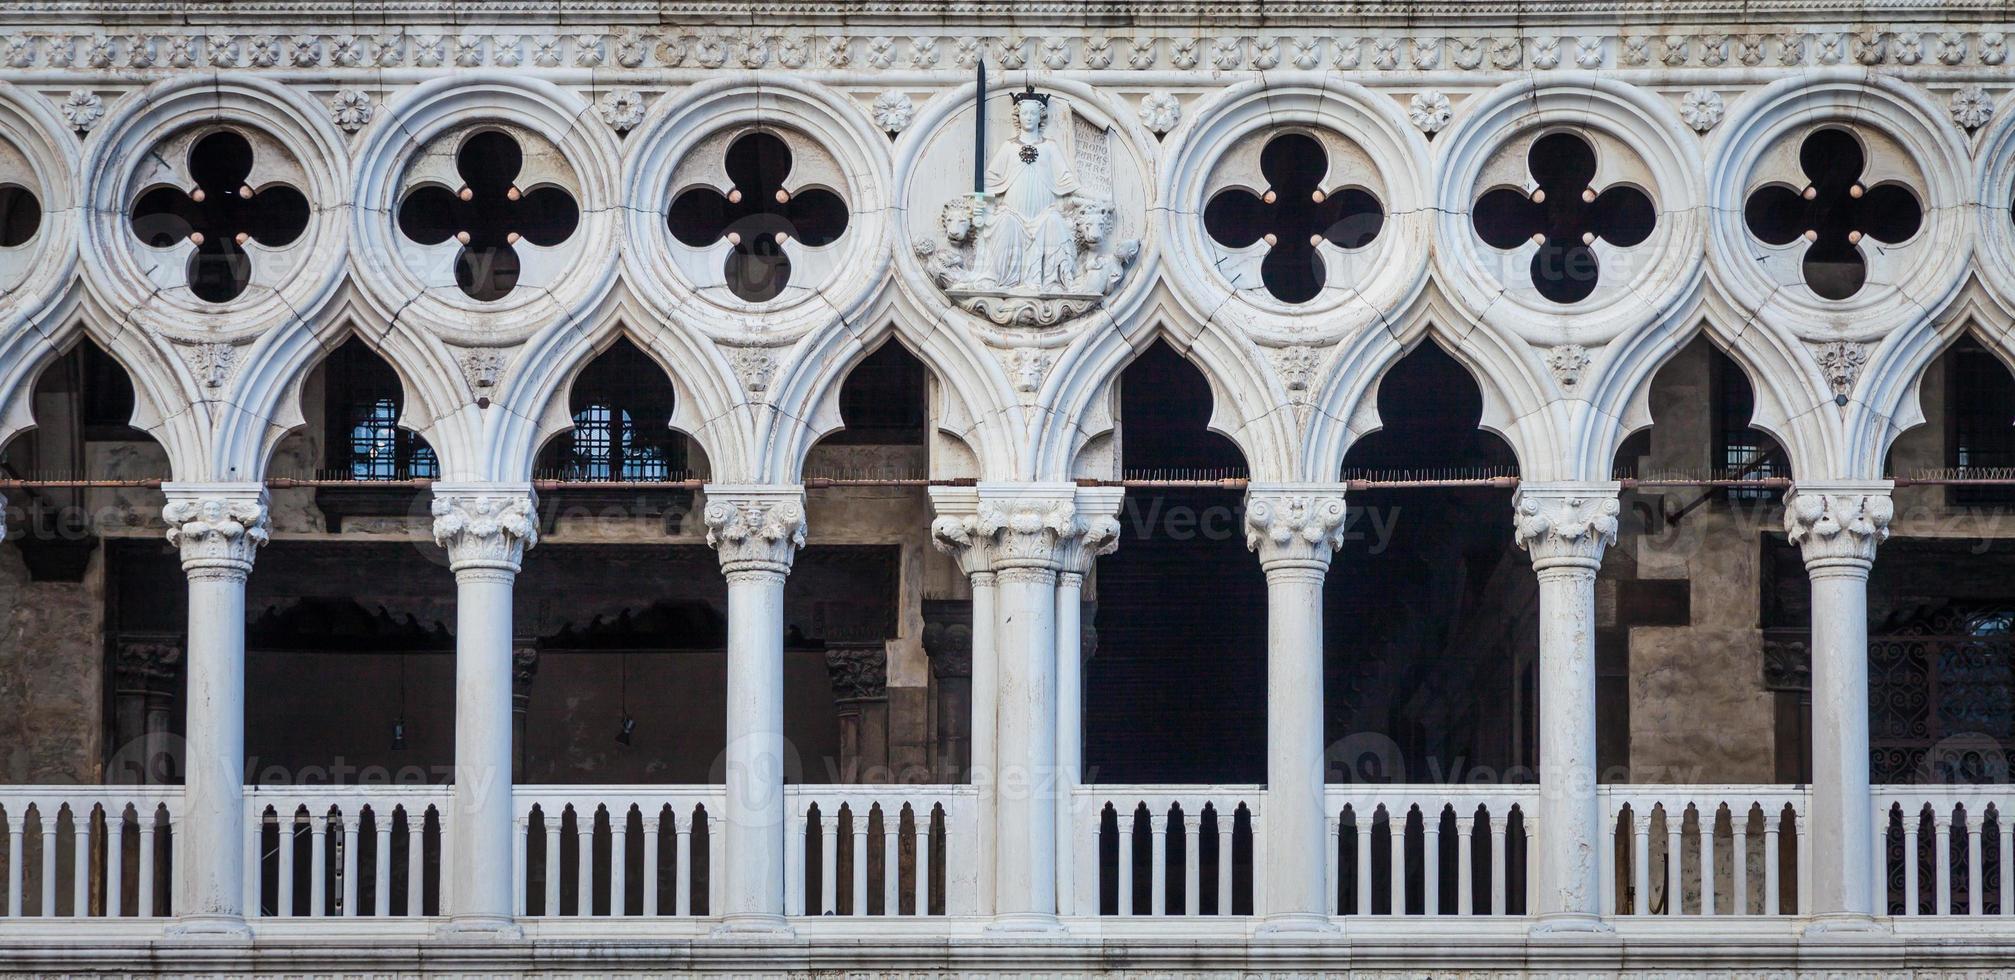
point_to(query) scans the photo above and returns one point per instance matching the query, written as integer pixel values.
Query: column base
(1570, 926)
(481, 928)
(210, 928)
(1846, 925)
(754, 925)
(1026, 923)
(1296, 925)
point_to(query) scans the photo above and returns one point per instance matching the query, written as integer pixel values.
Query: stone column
(956, 532)
(858, 670)
(219, 527)
(1839, 525)
(1100, 536)
(757, 530)
(1295, 529)
(524, 669)
(1565, 527)
(485, 529)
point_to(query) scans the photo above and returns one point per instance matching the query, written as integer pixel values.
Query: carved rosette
(217, 528)
(1295, 526)
(485, 528)
(755, 529)
(1565, 525)
(1832, 525)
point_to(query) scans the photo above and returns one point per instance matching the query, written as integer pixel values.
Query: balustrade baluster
(923, 861)
(860, 862)
(1361, 822)
(349, 863)
(146, 866)
(1912, 823)
(1430, 862)
(1973, 889)
(619, 862)
(1709, 816)
(1396, 881)
(318, 864)
(892, 855)
(829, 862)
(1126, 895)
(80, 861)
(682, 852)
(1941, 862)
(554, 865)
(381, 864)
(651, 830)
(1499, 889)
(115, 862)
(1738, 861)
(17, 831)
(1225, 828)
(1465, 859)
(49, 823)
(1675, 828)
(1192, 851)
(1157, 862)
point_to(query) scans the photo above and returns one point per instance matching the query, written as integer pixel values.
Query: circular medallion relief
(1035, 219)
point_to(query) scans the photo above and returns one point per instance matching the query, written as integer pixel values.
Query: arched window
(1742, 452)
(362, 399)
(622, 409)
(1981, 421)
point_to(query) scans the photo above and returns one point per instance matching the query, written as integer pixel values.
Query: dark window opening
(20, 215)
(622, 409)
(220, 216)
(1740, 451)
(1565, 216)
(758, 216)
(489, 215)
(1981, 400)
(883, 400)
(362, 399)
(1162, 632)
(1833, 212)
(1295, 215)
(1430, 612)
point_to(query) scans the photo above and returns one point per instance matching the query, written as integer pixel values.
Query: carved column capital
(1295, 525)
(219, 526)
(485, 525)
(755, 528)
(858, 671)
(1565, 524)
(1043, 527)
(1838, 523)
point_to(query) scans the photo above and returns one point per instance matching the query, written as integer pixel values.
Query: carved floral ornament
(730, 48)
(1294, 526)
(759, 530)
(485, 529)
(1572, 525)
(1838, 525)
(217, 528)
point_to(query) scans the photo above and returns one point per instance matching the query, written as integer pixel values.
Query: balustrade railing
(1167, 850)
(1429, 849)
(881, 850)
(348, 851)
(1932, 847)
(618, 850)
(1705, 850)
(63, 839)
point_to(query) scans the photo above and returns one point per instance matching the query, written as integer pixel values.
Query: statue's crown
(1029, 92)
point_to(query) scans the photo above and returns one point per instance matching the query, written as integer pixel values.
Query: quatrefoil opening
(489, 215)
(1296, 215)
(1565, 216)
(1833, 212)
(221, 215)
(758, 216)
(20, 215)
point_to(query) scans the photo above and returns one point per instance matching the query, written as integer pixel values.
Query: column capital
(1565, 524)
(1838, 522)
(218, 526)
(485, 525)
(755, 527)
(1041, 526)
(1295, 524)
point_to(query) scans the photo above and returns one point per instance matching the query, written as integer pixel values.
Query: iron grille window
(362, 398)
(1981, 397)
(622, 408)
(1740, 451)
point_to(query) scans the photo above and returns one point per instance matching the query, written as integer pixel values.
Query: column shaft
(1842, 817)
(755, 748)
(985, 696)
(1025, 821)
(1069, 728)
(1296, 885)
(213, 807)
(482, 828)
(1569, 812)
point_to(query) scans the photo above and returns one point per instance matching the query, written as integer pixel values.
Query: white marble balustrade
(66, 836)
